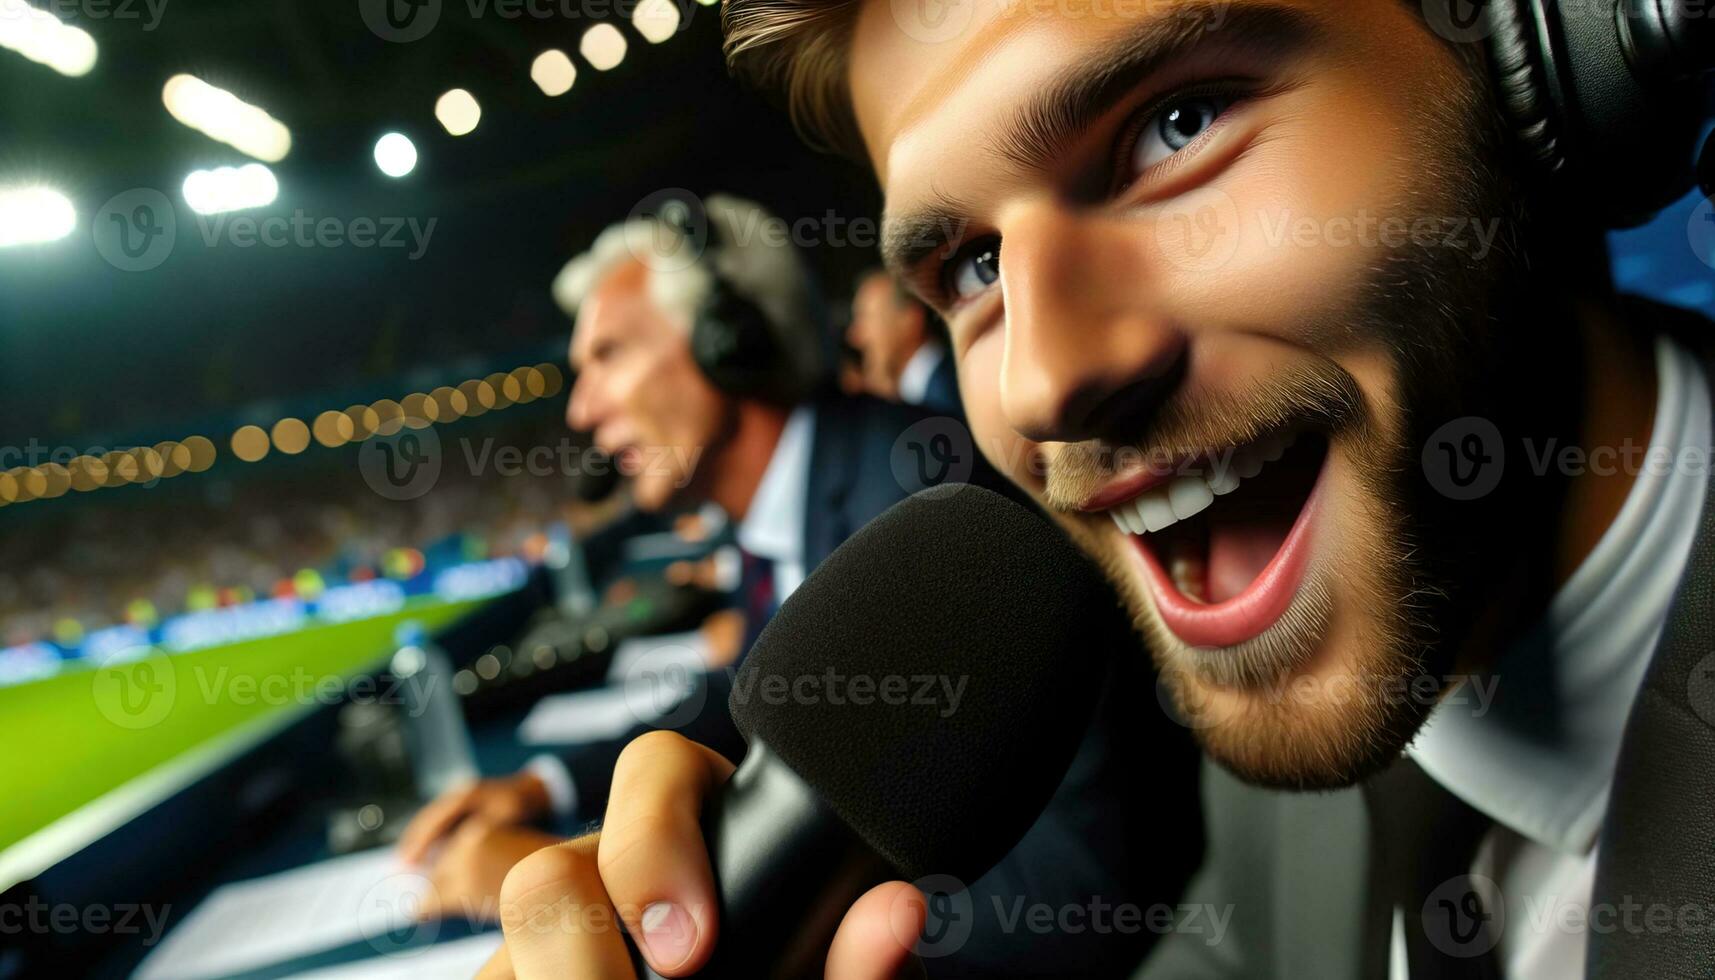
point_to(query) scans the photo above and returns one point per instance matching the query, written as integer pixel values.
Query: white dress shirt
(1540, 761)
(914, 380)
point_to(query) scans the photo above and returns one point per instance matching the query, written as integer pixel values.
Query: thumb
(876, 937)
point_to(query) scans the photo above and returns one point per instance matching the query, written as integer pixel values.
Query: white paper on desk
(649, 678)
(457, 959)
(269, 920)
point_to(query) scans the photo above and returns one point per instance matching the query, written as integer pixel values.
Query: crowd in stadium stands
(230, 536)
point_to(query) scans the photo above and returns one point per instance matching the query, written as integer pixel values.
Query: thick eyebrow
(1040, 132)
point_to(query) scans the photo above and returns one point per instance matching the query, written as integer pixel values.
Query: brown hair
(797, 48)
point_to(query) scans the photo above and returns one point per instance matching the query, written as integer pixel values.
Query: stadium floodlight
(553, 72)
(395, 154)
(656, 20)
(603, 46)
(222, 116)
(34, 214)
(457, 111)
(230, 188)
(44, 39)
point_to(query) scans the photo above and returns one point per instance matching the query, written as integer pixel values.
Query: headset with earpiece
(1607, 96)
(732, 340)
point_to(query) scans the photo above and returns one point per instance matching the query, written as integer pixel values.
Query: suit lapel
(825, 519)
(1655, 873)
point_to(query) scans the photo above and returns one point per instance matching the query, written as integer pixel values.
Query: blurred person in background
(901, 353)
(703, 371)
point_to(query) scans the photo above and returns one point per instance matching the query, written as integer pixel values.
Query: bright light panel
(603, 46)
(34, 214)
(553, 72)
(395, 154)
(458, 112)
(222, 116)
(42, 38)
(230, 188)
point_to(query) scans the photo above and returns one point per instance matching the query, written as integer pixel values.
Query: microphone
(909, 711)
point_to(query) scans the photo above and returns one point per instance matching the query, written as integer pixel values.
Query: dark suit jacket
(942, 395)
(1292, 867)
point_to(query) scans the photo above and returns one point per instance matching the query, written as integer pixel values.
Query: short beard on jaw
(1416, 558)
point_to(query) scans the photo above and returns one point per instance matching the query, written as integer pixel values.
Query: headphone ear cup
(734, 345)
(1618, 139)
(1524, 82)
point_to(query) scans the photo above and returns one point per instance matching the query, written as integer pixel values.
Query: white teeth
(1156, 511)
(1224, 481)
(1189, 496)
(1246, 463)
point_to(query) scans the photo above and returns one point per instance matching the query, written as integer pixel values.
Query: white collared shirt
(914, 380)
(1540, 759)
(773, 527)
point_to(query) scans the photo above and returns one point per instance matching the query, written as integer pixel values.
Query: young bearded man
(1286, 313)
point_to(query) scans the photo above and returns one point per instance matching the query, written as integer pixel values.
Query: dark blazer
(942, 394)
(1292, 867)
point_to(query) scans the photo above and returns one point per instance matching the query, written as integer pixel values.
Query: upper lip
(1146, 476)
(1138, 481)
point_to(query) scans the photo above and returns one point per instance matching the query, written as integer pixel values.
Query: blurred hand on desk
(467, 873)
(507, 801)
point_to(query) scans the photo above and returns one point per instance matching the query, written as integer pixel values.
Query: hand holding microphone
(786, 863)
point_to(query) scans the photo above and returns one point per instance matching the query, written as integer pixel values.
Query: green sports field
(67, 740)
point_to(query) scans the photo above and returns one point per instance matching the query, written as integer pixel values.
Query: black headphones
(1604, 95)
(732, 340)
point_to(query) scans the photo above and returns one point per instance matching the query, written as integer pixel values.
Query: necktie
(756, 587)
(1422, 842)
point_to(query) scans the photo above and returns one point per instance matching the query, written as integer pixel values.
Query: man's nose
(581, 414)
(1088, 349)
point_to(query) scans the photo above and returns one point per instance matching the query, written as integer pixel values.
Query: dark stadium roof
(87, 348)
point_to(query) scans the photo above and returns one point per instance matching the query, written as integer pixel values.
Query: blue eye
(974, 271)
(1174, 126)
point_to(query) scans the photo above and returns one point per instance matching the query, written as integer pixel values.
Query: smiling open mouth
(1224, 543)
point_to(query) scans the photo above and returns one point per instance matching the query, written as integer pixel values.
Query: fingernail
(668, 934)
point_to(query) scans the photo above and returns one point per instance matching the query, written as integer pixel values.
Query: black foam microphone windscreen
(982, 631)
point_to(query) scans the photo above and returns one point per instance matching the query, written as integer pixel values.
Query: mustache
(1188, 428)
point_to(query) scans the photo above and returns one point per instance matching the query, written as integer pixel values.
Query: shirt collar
(773, 526)
(914, 380)
(1540, 759)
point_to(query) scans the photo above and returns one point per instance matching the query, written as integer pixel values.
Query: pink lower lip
(1252, 611)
